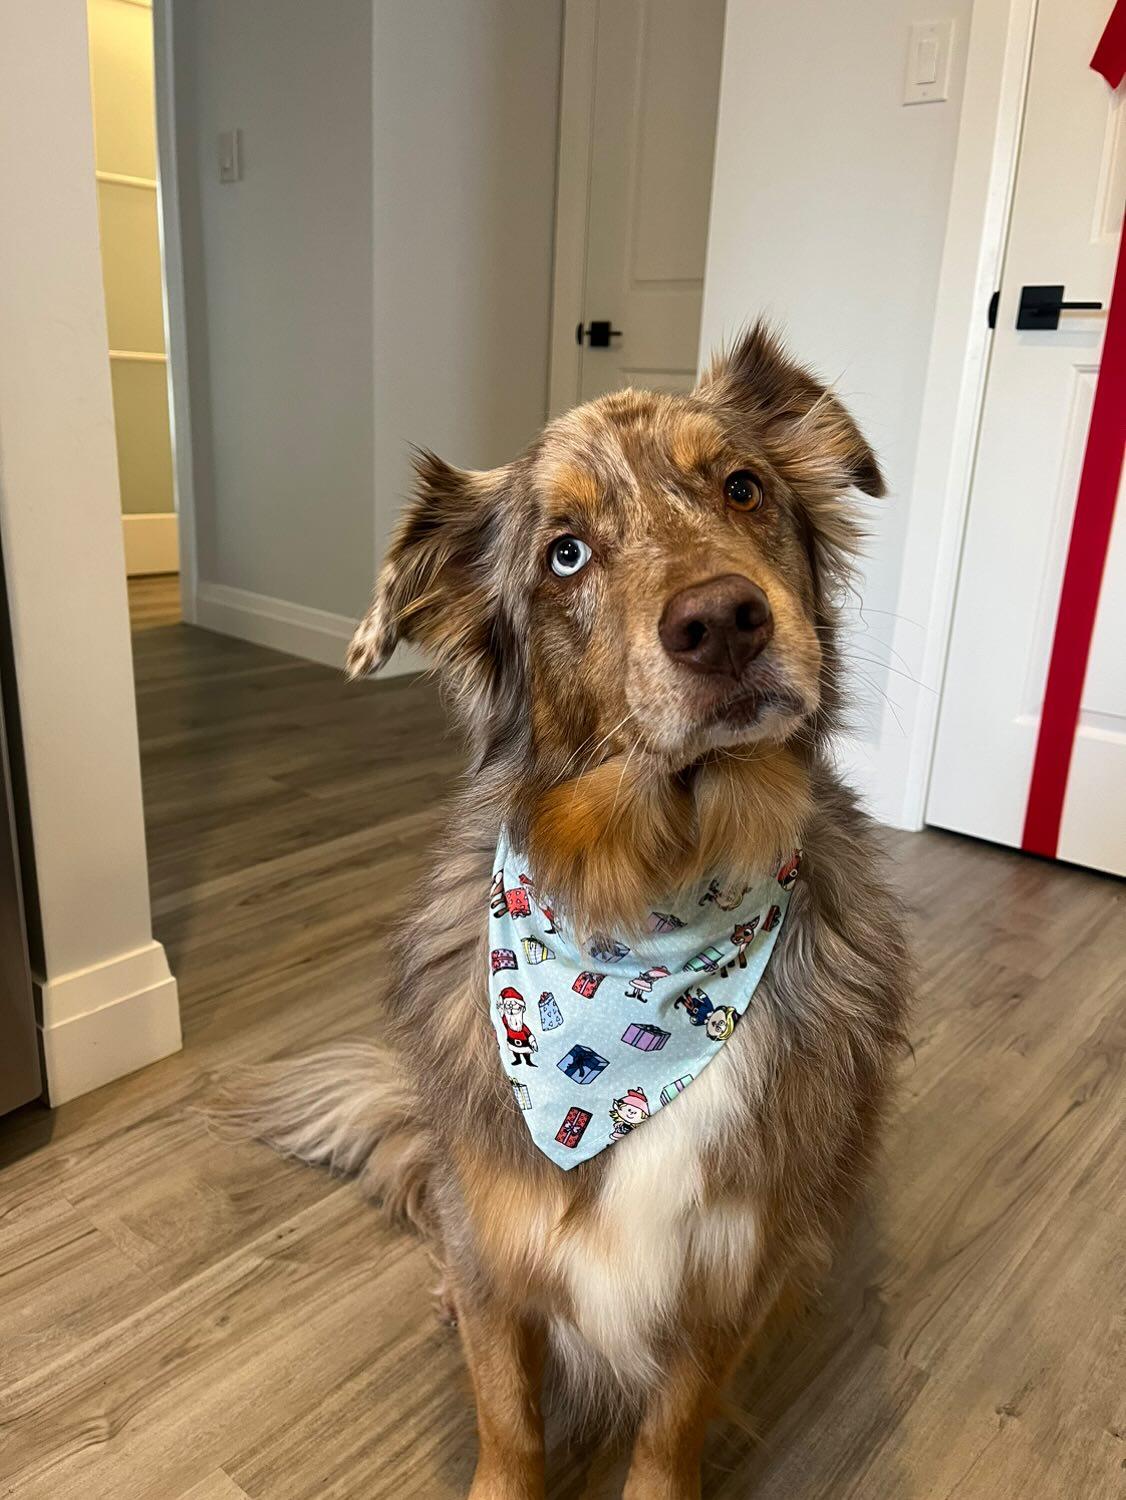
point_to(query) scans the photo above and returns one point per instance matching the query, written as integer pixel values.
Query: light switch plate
(230, 156)
(929, 46)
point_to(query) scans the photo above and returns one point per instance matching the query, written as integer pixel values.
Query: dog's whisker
(886, 666)
(607, 736)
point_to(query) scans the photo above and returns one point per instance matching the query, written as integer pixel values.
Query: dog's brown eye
(567, 555)
(742, 490)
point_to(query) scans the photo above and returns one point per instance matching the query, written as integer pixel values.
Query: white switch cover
(928, 62)
(230, 156)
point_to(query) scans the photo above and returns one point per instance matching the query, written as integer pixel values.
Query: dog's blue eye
(568, 555)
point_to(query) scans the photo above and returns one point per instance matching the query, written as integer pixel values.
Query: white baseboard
(298, 629)
(152, 543)
(100, 1023)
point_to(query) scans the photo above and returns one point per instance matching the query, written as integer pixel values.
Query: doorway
(640, 91)
(122, 88)
(1050, 313)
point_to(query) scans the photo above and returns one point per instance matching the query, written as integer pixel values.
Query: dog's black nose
(718, 625)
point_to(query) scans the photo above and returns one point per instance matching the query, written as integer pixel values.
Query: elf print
(628, 1111)
(510, 1003)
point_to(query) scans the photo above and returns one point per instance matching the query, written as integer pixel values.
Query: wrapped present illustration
(550, 1014)
(587, 983)
(582, 1064)
(677, 1086)
(641, 987)
(662, 921)
(502, 958)
(607, 950)
(520, 1090)
(645, 1038)
(535, 951)
(575, 1121)
(772, 918)
(526, 882)
(706, 962)
(788, 874)
(516, 903)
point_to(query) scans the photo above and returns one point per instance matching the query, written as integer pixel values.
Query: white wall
(279, 291)
(105, 999)
(829, 213)
(381, 277)
(466, 101)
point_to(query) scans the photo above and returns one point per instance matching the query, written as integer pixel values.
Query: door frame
(998, 62)
(175, 301)
(572, 200)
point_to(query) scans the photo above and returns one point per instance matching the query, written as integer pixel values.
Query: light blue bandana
(595, 1038)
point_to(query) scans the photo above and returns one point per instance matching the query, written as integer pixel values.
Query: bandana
(595, 1037)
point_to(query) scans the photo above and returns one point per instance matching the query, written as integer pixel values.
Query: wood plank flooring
(182, 1319)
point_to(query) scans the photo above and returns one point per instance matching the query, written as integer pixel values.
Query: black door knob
(598, 334)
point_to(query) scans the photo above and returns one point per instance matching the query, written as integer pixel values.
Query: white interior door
(1064, 229)
(649, 119)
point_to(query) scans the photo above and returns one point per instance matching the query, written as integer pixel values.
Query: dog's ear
(808, 432)
(430, 580)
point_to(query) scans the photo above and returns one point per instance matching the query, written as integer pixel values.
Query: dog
(636, 626)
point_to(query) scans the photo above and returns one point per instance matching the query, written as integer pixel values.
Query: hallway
(188, 1320)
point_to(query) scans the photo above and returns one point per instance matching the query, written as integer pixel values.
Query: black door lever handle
(599, 333)
(1040, 307)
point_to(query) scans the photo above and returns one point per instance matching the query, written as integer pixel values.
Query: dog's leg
(505, 1358)
(670, 1441)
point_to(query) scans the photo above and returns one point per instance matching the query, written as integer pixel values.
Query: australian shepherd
(636, 626)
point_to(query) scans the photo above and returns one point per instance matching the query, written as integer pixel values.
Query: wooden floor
(186, 1320)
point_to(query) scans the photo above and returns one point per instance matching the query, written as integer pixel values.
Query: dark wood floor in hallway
(182, 1319)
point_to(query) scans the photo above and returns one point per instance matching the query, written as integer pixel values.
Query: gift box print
(550, 1014)
(575, 1121)
(706, 962)
(645, 1038)
(677, 1086)
(587, 983)
(582, 1064)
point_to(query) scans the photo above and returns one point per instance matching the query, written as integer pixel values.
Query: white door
(1064, 229)
(646, 118)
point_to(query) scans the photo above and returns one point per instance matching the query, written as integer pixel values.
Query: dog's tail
(347, 1107)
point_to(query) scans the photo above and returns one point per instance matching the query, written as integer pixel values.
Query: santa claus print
(511, 1005)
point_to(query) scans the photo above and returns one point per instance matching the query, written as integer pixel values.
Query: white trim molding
(297, 629)
(100, 1023)
(152, 543)
(279, 624)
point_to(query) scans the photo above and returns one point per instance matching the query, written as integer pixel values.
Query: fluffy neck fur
(611, 843)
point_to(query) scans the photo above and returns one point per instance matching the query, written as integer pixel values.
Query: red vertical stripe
(1082, 579)
(1110, 54)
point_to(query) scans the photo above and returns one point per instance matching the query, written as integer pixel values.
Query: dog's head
(649, 588)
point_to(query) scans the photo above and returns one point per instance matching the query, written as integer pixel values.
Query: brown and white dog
(635, 622)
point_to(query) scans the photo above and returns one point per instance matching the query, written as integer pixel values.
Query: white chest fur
(626, 1265)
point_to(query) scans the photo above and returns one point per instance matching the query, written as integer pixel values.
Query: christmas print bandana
(596, 1037)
